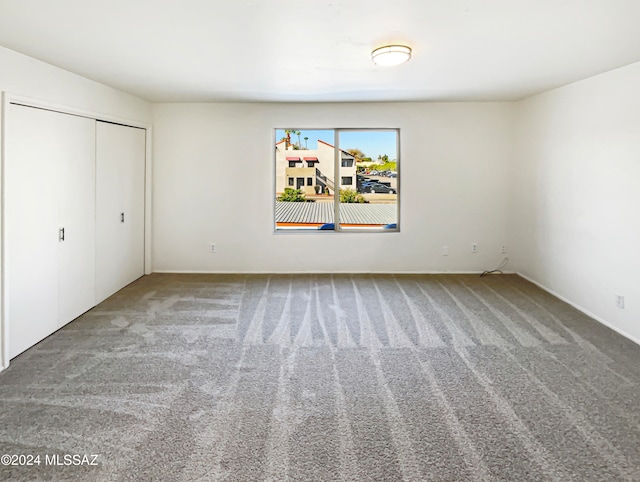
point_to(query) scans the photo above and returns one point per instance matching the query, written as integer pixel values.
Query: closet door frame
(11, 98)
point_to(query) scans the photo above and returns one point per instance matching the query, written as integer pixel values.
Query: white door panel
(31, 226)
(120, 171)
(76, 198)
(49, 184)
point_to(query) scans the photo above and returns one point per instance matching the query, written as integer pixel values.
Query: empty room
(320, 241)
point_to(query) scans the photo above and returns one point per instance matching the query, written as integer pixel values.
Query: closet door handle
(122, 217)
(61, 235)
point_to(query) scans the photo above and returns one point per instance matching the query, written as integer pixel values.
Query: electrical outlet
(620, 301)
(474, 247)
(212, 248)
(445, 251)
(503, 250)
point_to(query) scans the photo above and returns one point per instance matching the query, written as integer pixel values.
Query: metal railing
(324, 180)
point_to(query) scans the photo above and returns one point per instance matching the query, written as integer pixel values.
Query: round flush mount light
(390, 55)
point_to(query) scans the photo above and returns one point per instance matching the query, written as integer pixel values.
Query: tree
(351, 196)
(292, 195)
(357, 153)
(388, 166)
(306, 146)
(288, 133)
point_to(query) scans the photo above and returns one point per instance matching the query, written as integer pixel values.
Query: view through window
(337, 179)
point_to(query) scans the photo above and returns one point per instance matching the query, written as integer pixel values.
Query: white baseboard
(583, 310)
(169, 271)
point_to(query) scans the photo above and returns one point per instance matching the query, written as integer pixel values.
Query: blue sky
(372, 143)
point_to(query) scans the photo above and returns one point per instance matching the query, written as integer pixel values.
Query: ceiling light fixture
(390, 55)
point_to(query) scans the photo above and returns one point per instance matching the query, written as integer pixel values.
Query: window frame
(338, 227)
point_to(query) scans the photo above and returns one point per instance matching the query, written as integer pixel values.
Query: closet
(68, 179)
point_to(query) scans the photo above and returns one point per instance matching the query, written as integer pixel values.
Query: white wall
(213, 182)
(576, 192)
(27, 77)
(566, 203)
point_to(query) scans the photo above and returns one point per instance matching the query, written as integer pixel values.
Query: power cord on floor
(497, 270)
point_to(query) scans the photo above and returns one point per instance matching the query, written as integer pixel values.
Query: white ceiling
(319, 50)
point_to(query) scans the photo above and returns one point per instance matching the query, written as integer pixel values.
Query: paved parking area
(384, 180)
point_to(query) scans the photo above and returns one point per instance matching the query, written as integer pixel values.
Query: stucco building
(313, 170)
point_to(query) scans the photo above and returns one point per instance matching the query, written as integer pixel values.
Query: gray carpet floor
(326, 377)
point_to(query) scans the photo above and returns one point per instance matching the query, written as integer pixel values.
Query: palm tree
(288, 132)
(299, 143)
(305, 143)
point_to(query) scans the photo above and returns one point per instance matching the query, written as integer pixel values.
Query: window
(294, 161)
(338, 179)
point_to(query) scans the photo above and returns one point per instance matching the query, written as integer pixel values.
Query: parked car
(364, 186)
(380, 189)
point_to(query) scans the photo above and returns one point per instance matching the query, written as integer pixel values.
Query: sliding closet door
(31, 226)
(120, 172)
(77, 215)
(48, 186)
